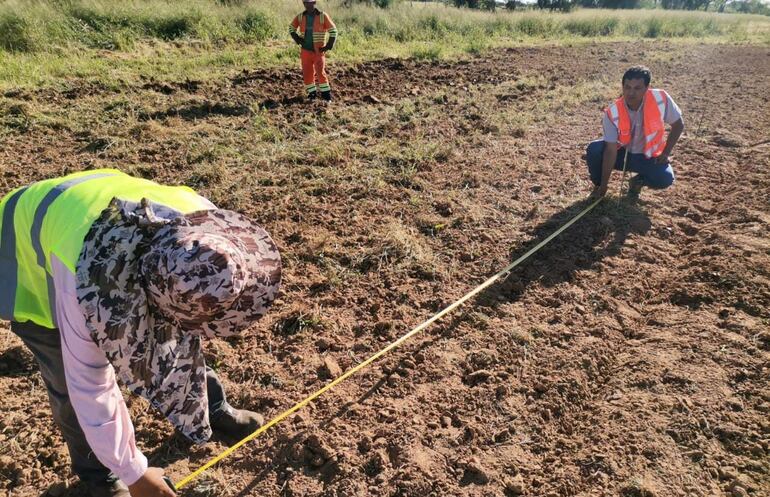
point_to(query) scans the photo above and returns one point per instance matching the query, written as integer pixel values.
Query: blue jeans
(658, 176)
(45, 345)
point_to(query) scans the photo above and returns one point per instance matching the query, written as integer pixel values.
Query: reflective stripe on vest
(37, 227)
(52, 217)
(9, 266)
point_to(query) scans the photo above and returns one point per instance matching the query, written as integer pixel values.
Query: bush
(257, 26)
(592, 27)
(15, 33)
(653, 28)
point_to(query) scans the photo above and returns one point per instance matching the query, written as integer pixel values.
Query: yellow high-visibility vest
(52, 217)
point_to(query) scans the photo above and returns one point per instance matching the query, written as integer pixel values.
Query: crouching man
(635, 123)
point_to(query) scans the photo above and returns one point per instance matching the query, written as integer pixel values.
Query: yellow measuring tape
(384, 351)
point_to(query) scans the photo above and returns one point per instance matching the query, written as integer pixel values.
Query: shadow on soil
(599, 234)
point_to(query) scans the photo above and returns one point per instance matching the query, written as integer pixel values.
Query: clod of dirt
(443, 208)
(371, 99)
(16, 360)
(377, 463)
(57, 489)
(479, 376)
(163, 88)
(330, 368)
(10, 469)
(514, 485)
(739, 491)
(316, 452)
(637, 489)
(475, 472)
(725, 138)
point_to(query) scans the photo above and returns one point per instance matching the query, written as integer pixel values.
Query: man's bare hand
(151, 484)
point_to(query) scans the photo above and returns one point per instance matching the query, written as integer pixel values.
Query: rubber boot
(235, 425)
(327, 95)
(312, 96)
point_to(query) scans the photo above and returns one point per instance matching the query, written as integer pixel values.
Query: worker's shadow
(597, 235)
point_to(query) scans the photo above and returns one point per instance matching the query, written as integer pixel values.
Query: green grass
(47, 41)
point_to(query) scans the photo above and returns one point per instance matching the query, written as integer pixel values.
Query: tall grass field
(47, 41)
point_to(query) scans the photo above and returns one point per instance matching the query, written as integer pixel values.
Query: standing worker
(107, 277)
(314, 27)
(635, 123)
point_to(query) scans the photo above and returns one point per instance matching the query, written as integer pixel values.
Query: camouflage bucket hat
(151, 287)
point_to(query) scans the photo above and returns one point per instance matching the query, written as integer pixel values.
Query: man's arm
(609, 157)
(673, 136)
(332, 30)
(293, 31)
(96, 397)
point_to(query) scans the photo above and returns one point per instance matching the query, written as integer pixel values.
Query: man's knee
(594, 151)
(662, 180)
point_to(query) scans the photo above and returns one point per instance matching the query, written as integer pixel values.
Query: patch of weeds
(16, 33)
(297, 323)
(513, 122)
(406, 160)
(520, 336)
(204, 152)
(328, 154)
(568, 97)
(16, 116)
(431, 227)
(477, 46)
(262, 127)
(146, 171)
(398, 245)
(429, 52)
(406, 110)
(208, 174)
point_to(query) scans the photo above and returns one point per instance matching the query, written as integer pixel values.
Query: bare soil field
(630, 357)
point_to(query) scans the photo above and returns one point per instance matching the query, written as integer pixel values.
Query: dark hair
(638, 72)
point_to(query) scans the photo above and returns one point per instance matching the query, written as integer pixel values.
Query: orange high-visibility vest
(654, 108)
(323, 27)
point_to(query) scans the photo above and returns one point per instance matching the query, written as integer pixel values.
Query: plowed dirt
(630, 357)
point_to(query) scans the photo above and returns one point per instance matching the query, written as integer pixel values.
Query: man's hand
(662, 158)
(151, 484)
(599, 191)
(325, 49)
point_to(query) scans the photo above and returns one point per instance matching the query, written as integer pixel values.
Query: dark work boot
(327, 95)
(236, 424)
(312, 96)
(107, 488)
(635, 185)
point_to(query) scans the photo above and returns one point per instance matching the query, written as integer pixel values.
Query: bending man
(107, 277)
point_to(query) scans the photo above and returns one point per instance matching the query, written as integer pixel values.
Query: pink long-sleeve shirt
(93, 389)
